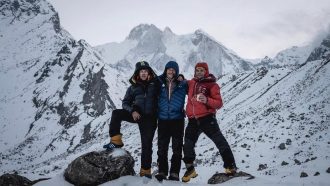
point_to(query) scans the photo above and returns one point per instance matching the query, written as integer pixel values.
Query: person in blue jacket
(171, 117)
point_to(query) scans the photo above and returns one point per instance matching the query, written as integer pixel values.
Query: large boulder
(96, 168)
(14, 179)
(17, 180)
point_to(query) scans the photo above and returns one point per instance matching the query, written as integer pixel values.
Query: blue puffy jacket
(173, 108)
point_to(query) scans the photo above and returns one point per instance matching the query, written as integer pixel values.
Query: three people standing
(149, 97)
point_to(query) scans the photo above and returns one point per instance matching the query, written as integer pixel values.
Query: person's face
(143, 74)
(180, 78)
(199, 72)
(170, 72)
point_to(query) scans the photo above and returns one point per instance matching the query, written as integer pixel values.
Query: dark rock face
(96, 168)
(282, 146)
(17, 180)
(14, 179)
(303, 174)
(321, 52)
(96, 96)
(218, 178)
(262, 167)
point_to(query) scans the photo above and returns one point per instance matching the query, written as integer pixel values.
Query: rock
(288, 142)
(328, 170)
(284, 163)
(17, 180)
(95, 168)
(14, 180)
(316, 174)
(303, 174)
(282, 146)
(218, 178)
(297, 162)
(262, 167)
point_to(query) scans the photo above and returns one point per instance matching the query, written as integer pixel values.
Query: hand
(201, 98)
(136, 116)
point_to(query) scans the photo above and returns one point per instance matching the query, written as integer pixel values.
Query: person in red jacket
(203, 101)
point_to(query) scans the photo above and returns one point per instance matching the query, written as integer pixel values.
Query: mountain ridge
(58, 93)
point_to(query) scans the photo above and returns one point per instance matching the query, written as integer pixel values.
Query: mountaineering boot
(230, 171)
(115, 142)
(145, 173)
(160, 176)
(190, 173)
(174, 177)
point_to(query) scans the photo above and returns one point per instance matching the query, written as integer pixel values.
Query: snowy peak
(298, 55)
(199, 36)
(24, 11)
(293, 56)
(139, 32)
(321, 52)
(168, 31)
(147, 42)
(57, 86)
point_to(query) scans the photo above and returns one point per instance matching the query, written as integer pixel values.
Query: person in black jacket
(139, 106)
(170, 121)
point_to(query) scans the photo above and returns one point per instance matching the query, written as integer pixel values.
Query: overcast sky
(252, 28)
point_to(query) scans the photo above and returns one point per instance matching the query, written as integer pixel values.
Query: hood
(205, 66)
(174, 65)
(139, 66)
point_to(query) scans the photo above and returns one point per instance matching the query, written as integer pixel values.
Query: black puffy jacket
(142, 96)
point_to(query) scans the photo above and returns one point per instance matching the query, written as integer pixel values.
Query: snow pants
(147, 128)
(207, 124)
(167, 130)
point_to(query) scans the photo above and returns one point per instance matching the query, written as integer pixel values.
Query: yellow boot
(190, 173)
(115, 142)
(230, 171)
(145, 173)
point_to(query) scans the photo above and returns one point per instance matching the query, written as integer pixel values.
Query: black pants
(210, 127)
(147, 128)
(166, 130)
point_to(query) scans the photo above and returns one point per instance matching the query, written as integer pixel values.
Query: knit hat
(205, 66)
(142, 65)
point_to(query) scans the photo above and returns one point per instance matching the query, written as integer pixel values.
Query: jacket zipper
(192, 100)
(169, 98)
(145, 96)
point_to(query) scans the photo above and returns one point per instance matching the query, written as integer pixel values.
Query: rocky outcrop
(17, 180)
(321, 52)
(96, 168)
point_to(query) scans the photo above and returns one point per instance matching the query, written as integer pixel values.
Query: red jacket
(210, 89)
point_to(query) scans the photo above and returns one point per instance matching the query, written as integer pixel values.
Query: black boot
(174, 177)
(160, 176)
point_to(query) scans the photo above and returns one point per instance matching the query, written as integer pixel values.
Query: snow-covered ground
(57, 95)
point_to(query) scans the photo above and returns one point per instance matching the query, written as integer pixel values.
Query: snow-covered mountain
(293, 56)
(54, 93)
(57, 95)
(147, 42)
(276, 121)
